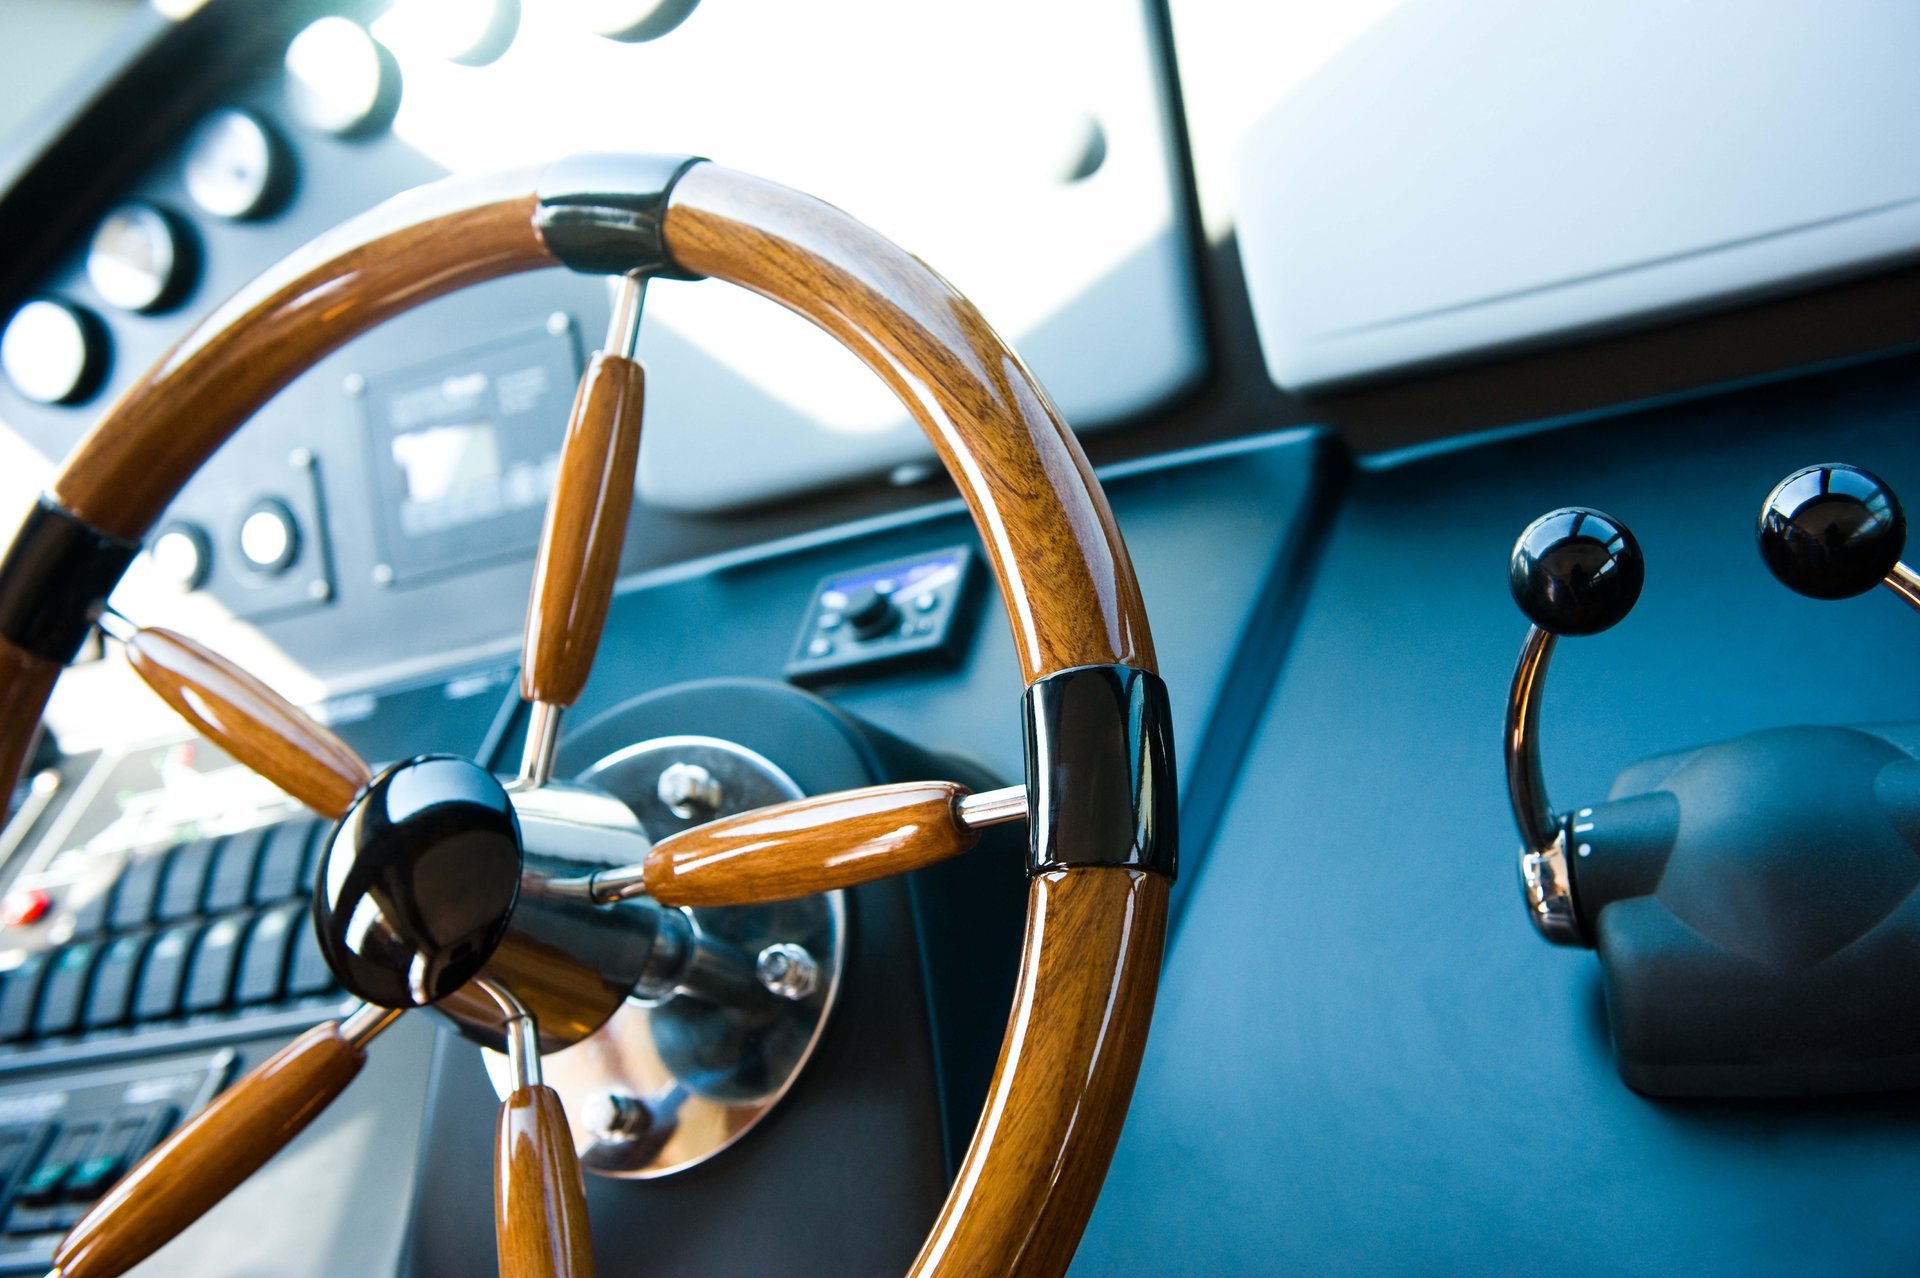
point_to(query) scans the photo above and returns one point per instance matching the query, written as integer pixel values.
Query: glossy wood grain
(1071, 594)
(25, 683)
(540, 1202)
(210, 1155)
(586, 525)
(405, 252)
(1085, 997)
(810, 845)
(1088, 972)
(250, 721)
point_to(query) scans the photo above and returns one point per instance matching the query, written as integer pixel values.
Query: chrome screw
(690, 791)
(614, 1117)
(787, 970)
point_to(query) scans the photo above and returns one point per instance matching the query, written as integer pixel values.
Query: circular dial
(871, 612)
(631, 21)
(52, 352)
(182, 554)
(139, 259)
(269, 537)
(339, 79)
(234, 167)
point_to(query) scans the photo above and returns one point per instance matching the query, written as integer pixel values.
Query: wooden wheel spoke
(586, 527)
(218, 1148)
(539, 1195)
(814, 845)
(250, 721)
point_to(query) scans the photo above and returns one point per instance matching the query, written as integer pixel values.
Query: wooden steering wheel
(1100, 781)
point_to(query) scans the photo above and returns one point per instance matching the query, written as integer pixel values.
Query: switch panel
(64, 1141)
(888, 616)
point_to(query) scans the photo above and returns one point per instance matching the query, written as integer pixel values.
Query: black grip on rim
(603, 214)
(55, 579)
(1101, 787)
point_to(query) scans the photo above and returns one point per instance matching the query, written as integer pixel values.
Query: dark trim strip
(1101, 787)
(602, 213)
(54, 580)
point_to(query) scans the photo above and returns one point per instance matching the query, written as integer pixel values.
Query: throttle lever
(1574, 571)
(1833, 531)
(1754, 903)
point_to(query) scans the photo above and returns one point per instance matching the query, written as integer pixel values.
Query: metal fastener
(615, 1117)
(689, 791)
(788, 970)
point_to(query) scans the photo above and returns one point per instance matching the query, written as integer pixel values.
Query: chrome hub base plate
(667, 1083)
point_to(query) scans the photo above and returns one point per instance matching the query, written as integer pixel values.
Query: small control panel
(261, 548)
(888, 616)
(64, 1143)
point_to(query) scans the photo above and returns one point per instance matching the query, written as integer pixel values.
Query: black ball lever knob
(1831, 531)
(1576, 571)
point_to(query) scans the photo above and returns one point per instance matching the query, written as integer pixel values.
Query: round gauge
(340, 80)
(53, 352)
(632, 21)
(235, 168)
(269, 537)
(140, 258)
(182, 554)
(470, 32)
(1081, 148)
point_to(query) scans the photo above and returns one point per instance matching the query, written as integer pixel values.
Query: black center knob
(871, 612)
(1832, 531)
(419, 882)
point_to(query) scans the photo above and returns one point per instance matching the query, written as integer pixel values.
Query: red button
(24, 907)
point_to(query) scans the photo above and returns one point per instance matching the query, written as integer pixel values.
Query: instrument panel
(368, 519)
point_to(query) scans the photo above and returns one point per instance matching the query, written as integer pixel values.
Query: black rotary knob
(419, 882)
(871, 612)
(1576, 571)
(1831, 531)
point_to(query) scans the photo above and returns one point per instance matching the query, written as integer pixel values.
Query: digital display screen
(465, 450)
(929, 574)
(442, 460)
(454, 475)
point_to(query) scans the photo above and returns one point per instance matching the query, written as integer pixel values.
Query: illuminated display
(465, 450)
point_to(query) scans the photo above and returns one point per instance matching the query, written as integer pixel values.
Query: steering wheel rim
(1100, 777)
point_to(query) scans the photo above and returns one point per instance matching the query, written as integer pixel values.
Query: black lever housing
(1752, 903)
